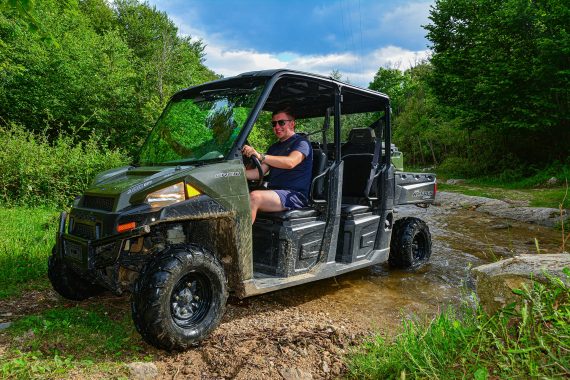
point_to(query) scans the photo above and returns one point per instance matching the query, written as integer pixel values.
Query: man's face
(283, 126)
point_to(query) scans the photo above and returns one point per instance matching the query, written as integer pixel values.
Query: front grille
(98, 203)
(85, 231)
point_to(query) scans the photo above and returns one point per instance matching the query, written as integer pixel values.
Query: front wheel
(68, 283)
(410, 246)
(179, 298)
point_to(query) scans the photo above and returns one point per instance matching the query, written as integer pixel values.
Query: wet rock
(142, 371)
(496, 281)
(501, 226)
(455, 181)
(295, 374)
(5, 325)
(544, 216)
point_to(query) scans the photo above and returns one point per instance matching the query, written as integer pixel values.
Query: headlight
(171, 195)
(167, 196)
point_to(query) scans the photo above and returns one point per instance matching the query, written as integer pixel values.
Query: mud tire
(193, 275)
(410, 246)
(69, 284)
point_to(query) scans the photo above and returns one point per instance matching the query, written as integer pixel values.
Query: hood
(131, 179)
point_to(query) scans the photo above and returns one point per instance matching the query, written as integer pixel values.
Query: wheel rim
(419, 249)
(190, 300)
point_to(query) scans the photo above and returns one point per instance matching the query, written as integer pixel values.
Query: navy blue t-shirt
(298, 178)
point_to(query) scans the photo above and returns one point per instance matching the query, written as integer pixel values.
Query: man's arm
(252, 174)
(284, 162)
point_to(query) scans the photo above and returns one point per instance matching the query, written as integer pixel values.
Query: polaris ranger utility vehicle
(175, 229)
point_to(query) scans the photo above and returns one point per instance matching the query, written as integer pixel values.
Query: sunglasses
(280, 122)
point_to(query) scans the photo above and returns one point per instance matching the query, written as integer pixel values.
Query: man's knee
(256, 198)
(265, 200)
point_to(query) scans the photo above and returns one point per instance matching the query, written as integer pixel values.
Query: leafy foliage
(502, 68)
(35, 171)
(110, 73)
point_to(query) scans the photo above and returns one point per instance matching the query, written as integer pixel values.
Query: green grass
(27, 236)
(529, 339)
(67, 340)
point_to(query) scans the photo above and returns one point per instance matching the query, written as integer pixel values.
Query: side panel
(413, 188)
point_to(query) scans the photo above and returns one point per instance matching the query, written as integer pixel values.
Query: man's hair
(284, 109)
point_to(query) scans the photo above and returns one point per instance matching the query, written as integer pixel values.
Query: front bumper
(91, 258)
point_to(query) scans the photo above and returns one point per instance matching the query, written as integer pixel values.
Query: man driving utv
(290, 160)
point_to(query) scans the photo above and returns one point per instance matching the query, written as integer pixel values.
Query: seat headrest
(361, 136)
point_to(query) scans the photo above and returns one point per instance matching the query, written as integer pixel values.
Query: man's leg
(264, 200)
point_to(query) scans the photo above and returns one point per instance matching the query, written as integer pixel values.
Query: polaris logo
(422, 194)
(228, 174)
(138, 187)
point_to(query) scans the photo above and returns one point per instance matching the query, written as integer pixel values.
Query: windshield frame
(256, 85)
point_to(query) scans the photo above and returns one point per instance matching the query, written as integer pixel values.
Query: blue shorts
(291, 199)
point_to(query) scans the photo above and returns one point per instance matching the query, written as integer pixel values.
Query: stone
(142, 371)
(552, 181)
(295, 374)
(5, 325)
(544, 216)
(455, 181)
(496, 281)
(500, 226)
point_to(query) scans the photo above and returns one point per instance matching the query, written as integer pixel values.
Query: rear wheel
(179, 298)
(69, 284)
(410, 246)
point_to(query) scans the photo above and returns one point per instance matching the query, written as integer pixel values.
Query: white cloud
(358, 69)
(412, 14)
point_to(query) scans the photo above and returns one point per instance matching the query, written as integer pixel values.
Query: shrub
(35, 171)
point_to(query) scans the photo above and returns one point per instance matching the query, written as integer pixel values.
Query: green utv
(175, 229)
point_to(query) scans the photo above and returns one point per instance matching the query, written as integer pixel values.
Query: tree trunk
(421, 150)
(432, 152)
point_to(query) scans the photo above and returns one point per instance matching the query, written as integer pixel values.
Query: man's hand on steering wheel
(255, 158)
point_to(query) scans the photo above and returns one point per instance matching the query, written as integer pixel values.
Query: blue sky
(355, 37)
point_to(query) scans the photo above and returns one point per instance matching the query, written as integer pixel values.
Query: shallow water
(461, 239)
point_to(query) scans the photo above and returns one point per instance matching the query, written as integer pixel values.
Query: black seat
(357, 155)
(305, 212)
(356, 172)
(360, 140)
(319, 167)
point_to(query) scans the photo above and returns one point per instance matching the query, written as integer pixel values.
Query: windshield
(200, 125)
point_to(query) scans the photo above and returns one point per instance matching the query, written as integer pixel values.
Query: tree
(110, 73)
(394, 83)
(502, 66)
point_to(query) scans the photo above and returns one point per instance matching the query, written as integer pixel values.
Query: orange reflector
(126, 227)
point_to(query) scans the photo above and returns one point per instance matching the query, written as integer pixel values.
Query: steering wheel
(257, 165)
